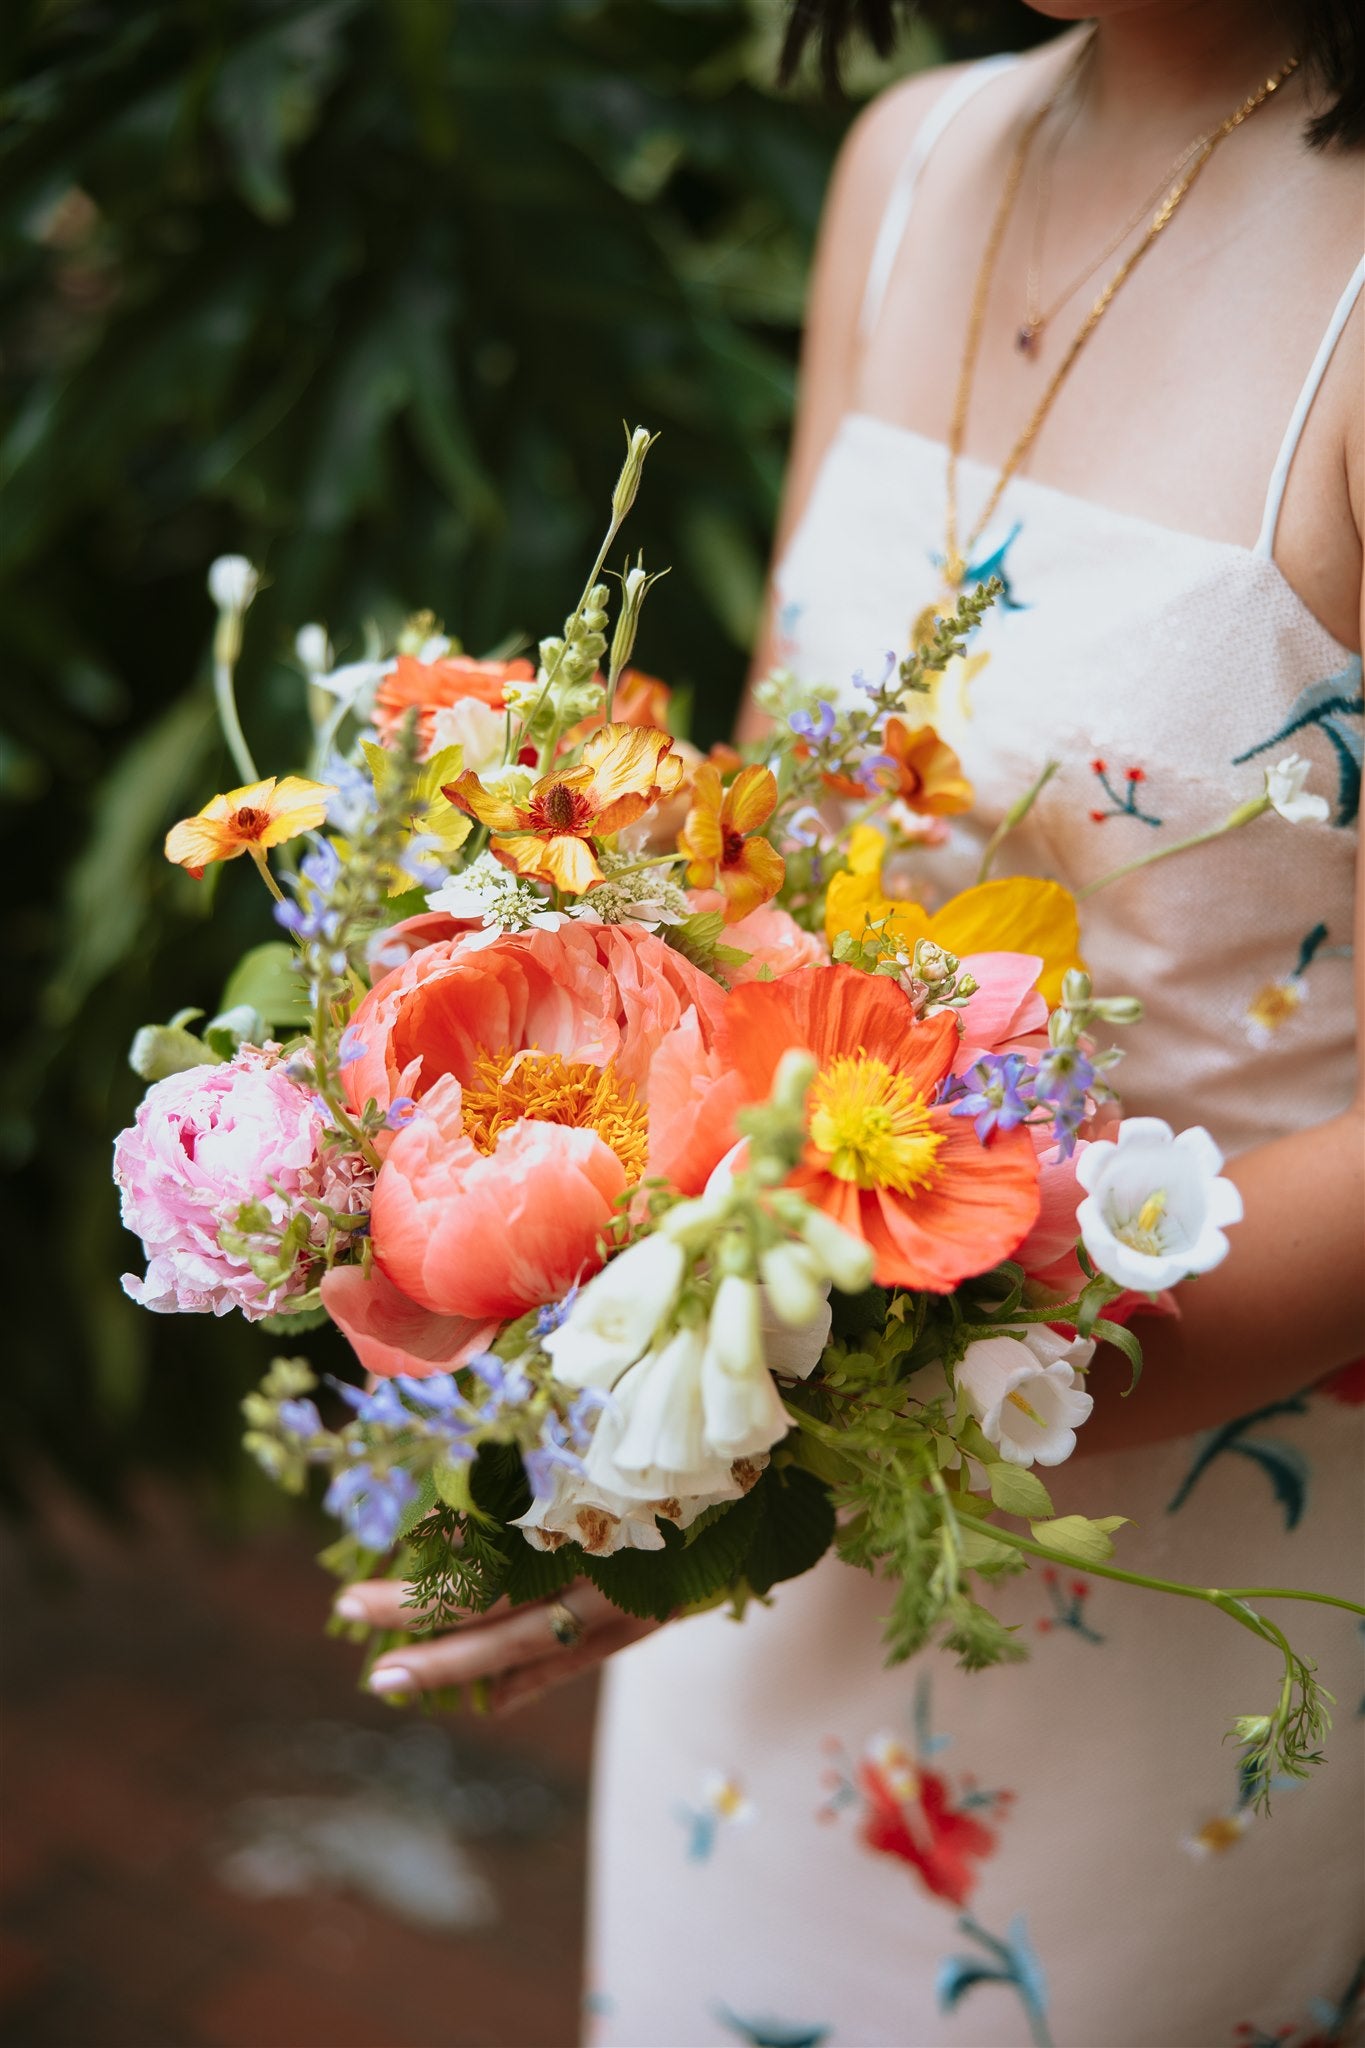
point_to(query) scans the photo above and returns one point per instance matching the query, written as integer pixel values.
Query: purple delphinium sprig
(1063, 1082)
(816, 726)
(371, 1504)
(996, 1091)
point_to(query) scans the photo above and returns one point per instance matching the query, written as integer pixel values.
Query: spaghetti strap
(901, 197)
(1279, 475)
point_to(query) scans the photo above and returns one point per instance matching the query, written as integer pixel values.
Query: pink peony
(1007, 1014)
(770, 936)
(203, 1143)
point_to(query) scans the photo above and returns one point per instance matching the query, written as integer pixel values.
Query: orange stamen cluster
(507, 1086)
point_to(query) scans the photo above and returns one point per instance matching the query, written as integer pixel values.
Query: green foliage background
(362, 289)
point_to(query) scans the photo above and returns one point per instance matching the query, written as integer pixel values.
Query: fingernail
(350, 1607)
(392, 1678)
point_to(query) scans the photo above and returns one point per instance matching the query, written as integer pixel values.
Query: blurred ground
(210, 1839)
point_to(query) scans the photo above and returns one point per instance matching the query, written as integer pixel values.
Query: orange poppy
(716, 837)
(248, 820)
(548, 835)
(933, 1203)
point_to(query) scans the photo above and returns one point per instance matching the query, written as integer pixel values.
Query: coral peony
(203, 1143)
(487, 1215)
(1007, 1013)
(775, 943)
(600, 994)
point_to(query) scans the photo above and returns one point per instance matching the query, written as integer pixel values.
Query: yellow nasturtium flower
(1017, 914)
(248, 820)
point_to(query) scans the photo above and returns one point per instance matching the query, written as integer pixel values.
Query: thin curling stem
(225, 697)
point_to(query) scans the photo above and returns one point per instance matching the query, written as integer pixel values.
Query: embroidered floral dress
(794, 1845)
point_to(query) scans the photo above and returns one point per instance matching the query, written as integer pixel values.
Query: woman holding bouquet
(1089, 321)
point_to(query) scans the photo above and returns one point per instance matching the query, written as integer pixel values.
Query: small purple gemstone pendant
(1026, 340)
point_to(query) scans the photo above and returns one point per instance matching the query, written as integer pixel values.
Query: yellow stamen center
(1143, 1231)
(873, 1126)
(507, 1086)
(1017, 1400)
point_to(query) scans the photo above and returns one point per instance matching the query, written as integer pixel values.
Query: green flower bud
(1076, 989)
(1118, 1009)
(638, 445)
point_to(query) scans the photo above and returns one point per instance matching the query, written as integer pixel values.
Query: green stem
(1214, 1596)
(1015, 815)
(225, 697)
(263, 870)
(1146, 860)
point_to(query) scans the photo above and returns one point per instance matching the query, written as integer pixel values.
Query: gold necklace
(1036, 317)
(954, 555)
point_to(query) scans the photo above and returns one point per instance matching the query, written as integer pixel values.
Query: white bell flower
(1156, 1207)
(651, 1443)
(1285, 791)
(232, 583)
(1026, 1394)
(313, 649)
(742, 1411)
(615, 1317)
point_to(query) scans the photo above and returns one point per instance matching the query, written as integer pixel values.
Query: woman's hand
(516, 1649)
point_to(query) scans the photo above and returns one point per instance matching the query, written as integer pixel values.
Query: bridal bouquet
(695, 1198)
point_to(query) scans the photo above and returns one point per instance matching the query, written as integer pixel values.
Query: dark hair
(1329, 37)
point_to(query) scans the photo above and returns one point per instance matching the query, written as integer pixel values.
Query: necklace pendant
(1026, 339)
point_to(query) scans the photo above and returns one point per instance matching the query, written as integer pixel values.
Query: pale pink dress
(1065, 1854)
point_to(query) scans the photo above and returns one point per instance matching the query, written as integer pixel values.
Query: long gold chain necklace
(956, 552)
(1036, 316)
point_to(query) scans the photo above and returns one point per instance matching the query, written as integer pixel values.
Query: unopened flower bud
(735, 1332)
(846, 1259)
(233, 583)
(1118, 1009)
(638, 445)
(314, 649)
(791, 1083)
(1076, 989)
(691, 1222)
(795, 1283)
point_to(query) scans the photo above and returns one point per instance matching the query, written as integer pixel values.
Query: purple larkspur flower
(384, 1405)
(871, 771)
(995, 1091)
(874, 689)
(508, 1385)
(371, 1504)
(400, 1113)
(1063, 1081)
(549, 1318)
(351, 1047)
(553, 1452)
(300, 1418)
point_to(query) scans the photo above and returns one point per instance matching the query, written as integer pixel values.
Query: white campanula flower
(1156, 1207)
(652, 1441)
(232, 583)
(1027, 1395)
(614, 1318)
(1285, 790)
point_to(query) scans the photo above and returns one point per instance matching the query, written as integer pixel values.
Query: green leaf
(1017, 1490)
(162, 1049)
(1122, 1339)
(535, 1574)
(796, 1529)
(267, 980)
(982, 1554)
(1078, 1538)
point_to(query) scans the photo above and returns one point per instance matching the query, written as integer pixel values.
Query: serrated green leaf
(535, 1574)
(452, 1486)
(795, 1530)
(1078, 1538)
(982, 1554)
(1017, 1490)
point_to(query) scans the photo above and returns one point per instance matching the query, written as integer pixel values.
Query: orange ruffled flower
(248, 820)
(716, 838)
(935, 1205)
(433, 686)
(624, 770)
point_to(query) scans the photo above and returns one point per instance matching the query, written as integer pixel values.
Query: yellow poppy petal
(866, 849)
(623, 812)
(569, 863)
(751, 799)
(297, 806)
(1016, 914)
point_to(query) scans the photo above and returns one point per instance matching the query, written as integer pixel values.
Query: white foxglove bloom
(1284, 787)
(614, 1318)
(576, 1511)
(651, 1442)
(232, 583)
(796, 1283)
(1156, 1207)
(742, 1411)
(1026, 1394)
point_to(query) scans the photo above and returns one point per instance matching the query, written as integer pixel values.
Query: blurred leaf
(267, 980)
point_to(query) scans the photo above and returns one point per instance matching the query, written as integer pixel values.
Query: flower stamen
(508, 1086)
(873, 1126)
